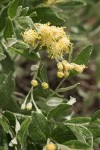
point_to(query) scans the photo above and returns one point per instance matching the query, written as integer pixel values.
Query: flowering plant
(41, 118)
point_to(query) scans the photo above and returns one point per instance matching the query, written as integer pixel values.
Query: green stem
(70, 53)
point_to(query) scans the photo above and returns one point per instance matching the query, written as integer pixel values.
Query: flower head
(60, 74)
(45, 85)
(23, 106)
(34, 83)
(30, 37)
(29, 106)
(79, 68)
(51, 146)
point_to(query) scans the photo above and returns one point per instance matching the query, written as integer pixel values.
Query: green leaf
(8, 30)
(71, 4)
(46, 14)
(7, 63)
(62, 133)
(20, 45)
(24, 11)
(79, 120)
(55, 112)
(68, 88)
(2, 56)
(12, 10)
(22, 134)
(54, 101)
(29, 55)
(75, 144)
(6, 91)
(39, 129)
(3, 15)
(84, 56)
(25, 22)
(82, 133)
(42, 73)
(95, 116)
(4, 125)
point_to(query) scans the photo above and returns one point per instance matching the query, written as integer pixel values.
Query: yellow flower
(60, 74)
(23, 106)
(66, 74)
(79, 68)
(55, 39)
(51, 146)
(30, 37)
(67, 66)
(60, 66)
(29, 106)
(45, 85)
(34, 83)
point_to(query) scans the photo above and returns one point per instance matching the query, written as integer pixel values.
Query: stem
(32, 99)
(70, 53)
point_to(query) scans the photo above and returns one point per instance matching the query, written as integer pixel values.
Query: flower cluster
(53, 38)
(64, 67)
(57, 43)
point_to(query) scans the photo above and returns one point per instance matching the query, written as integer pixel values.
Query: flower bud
(45, 85)
(60, 66)
(60, 74)
(29, 106)
(51, 146)
(23, 106)
(79, 68)
(67, 66)
(34, 82)
(66, 74)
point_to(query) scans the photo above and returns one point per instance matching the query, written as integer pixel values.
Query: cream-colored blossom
(45, 85)
(34, 83)
(51, 146)
(30, 37)
(29, 106)
(79, 68)
(60, 66)
(60, 74)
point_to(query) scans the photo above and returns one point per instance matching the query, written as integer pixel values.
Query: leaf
(42, 73)
(62, 133)
(75, 144)
(39, 129)
(22, 133)
(25, 22)
(29, 55)
(55, 112)
(4, 125)
(8, 30)
(7, 63)
(3, 15)
(54, 101)
(79, 120)
(20, 45)
(46, 14)
(95, 116)
(68, 88)
(6, 91)
(24, 11)
(2, 56)
(12, 10)
(82, 133)
(71, 4)
(84, 56)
